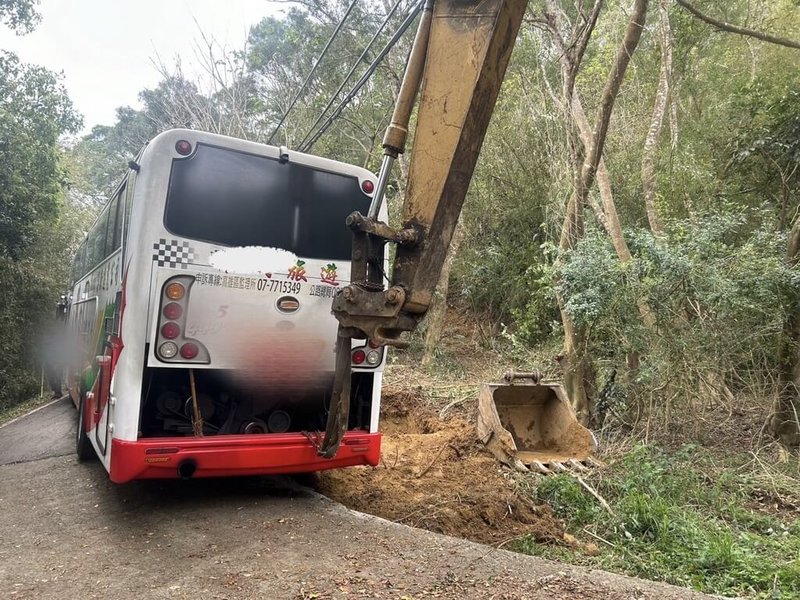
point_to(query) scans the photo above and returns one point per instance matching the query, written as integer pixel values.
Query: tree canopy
(21, 16)
(35, 113)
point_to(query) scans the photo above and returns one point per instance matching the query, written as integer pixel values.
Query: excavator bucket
(529, 424)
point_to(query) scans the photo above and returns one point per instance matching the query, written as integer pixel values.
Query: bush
(720, 292)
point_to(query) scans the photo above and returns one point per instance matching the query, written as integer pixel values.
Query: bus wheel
(83, 447)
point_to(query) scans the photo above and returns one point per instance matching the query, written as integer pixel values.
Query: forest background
(632, 226)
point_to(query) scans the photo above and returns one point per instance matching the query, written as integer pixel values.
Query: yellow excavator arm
(460, 55)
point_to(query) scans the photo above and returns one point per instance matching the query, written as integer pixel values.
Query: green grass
(685, 519)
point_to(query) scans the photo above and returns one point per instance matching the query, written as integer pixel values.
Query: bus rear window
(238, 199)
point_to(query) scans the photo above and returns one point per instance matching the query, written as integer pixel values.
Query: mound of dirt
(434, 475)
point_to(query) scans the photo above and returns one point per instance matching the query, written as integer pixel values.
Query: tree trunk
(607, 215)
(611, 216)
(633, 33)
(576, 365)
(575, 361)
(657, 121)
(435, 318)
(785, 421)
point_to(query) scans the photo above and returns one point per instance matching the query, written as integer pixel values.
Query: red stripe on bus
(222, 456)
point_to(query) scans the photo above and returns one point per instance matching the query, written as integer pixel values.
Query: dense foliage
(38, 226)
(36, 232)
(720, 292)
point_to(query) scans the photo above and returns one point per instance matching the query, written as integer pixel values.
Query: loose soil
(434, 475)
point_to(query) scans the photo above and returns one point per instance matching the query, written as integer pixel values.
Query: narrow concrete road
(67, 532)
(46, 432)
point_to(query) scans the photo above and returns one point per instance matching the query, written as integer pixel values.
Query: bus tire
(83, 447)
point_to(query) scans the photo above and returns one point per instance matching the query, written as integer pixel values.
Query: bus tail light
(183, 147)
(359, 356)
(369, 355)
(189, 351)
(168, 350)
(173, 346)
(166, 450)
(170, 330)
(173, 311)
(175, 291)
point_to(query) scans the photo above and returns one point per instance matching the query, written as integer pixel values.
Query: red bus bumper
(232, 455)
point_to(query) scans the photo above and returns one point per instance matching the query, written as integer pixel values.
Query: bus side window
(78, 263)
(112, 233)
(82, 259)
(102, 233)
(91, 250)
(117, 207)
(126, 214)
(96, 250)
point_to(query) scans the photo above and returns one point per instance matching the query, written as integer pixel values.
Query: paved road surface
(67, 532)
(45, 433)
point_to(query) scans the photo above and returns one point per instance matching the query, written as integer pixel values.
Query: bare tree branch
(730, 28)
(632, 35)
(586, 33)
(650, 149)
(574, 51)
(315, 9)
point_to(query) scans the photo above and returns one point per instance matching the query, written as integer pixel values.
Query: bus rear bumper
(233, 455)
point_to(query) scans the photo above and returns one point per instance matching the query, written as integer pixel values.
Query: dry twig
(594, 493)
(435, 458)
(454, 403)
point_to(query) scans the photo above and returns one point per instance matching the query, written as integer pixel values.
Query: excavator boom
(468, 52)
(460, 55)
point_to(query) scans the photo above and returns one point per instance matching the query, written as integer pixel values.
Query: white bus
(201, 311)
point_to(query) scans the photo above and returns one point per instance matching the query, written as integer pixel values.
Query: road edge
(35, 410)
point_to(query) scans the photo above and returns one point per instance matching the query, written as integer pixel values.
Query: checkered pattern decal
(173, 253)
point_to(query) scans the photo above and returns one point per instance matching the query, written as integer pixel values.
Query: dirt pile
(434, 475)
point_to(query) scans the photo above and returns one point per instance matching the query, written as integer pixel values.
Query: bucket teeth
(536, 465)
(578, 466)
(519, 465)
(557, 466)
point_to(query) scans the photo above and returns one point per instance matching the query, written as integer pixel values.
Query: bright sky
(105, 47)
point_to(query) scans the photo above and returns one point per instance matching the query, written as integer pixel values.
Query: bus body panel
(93, 302)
